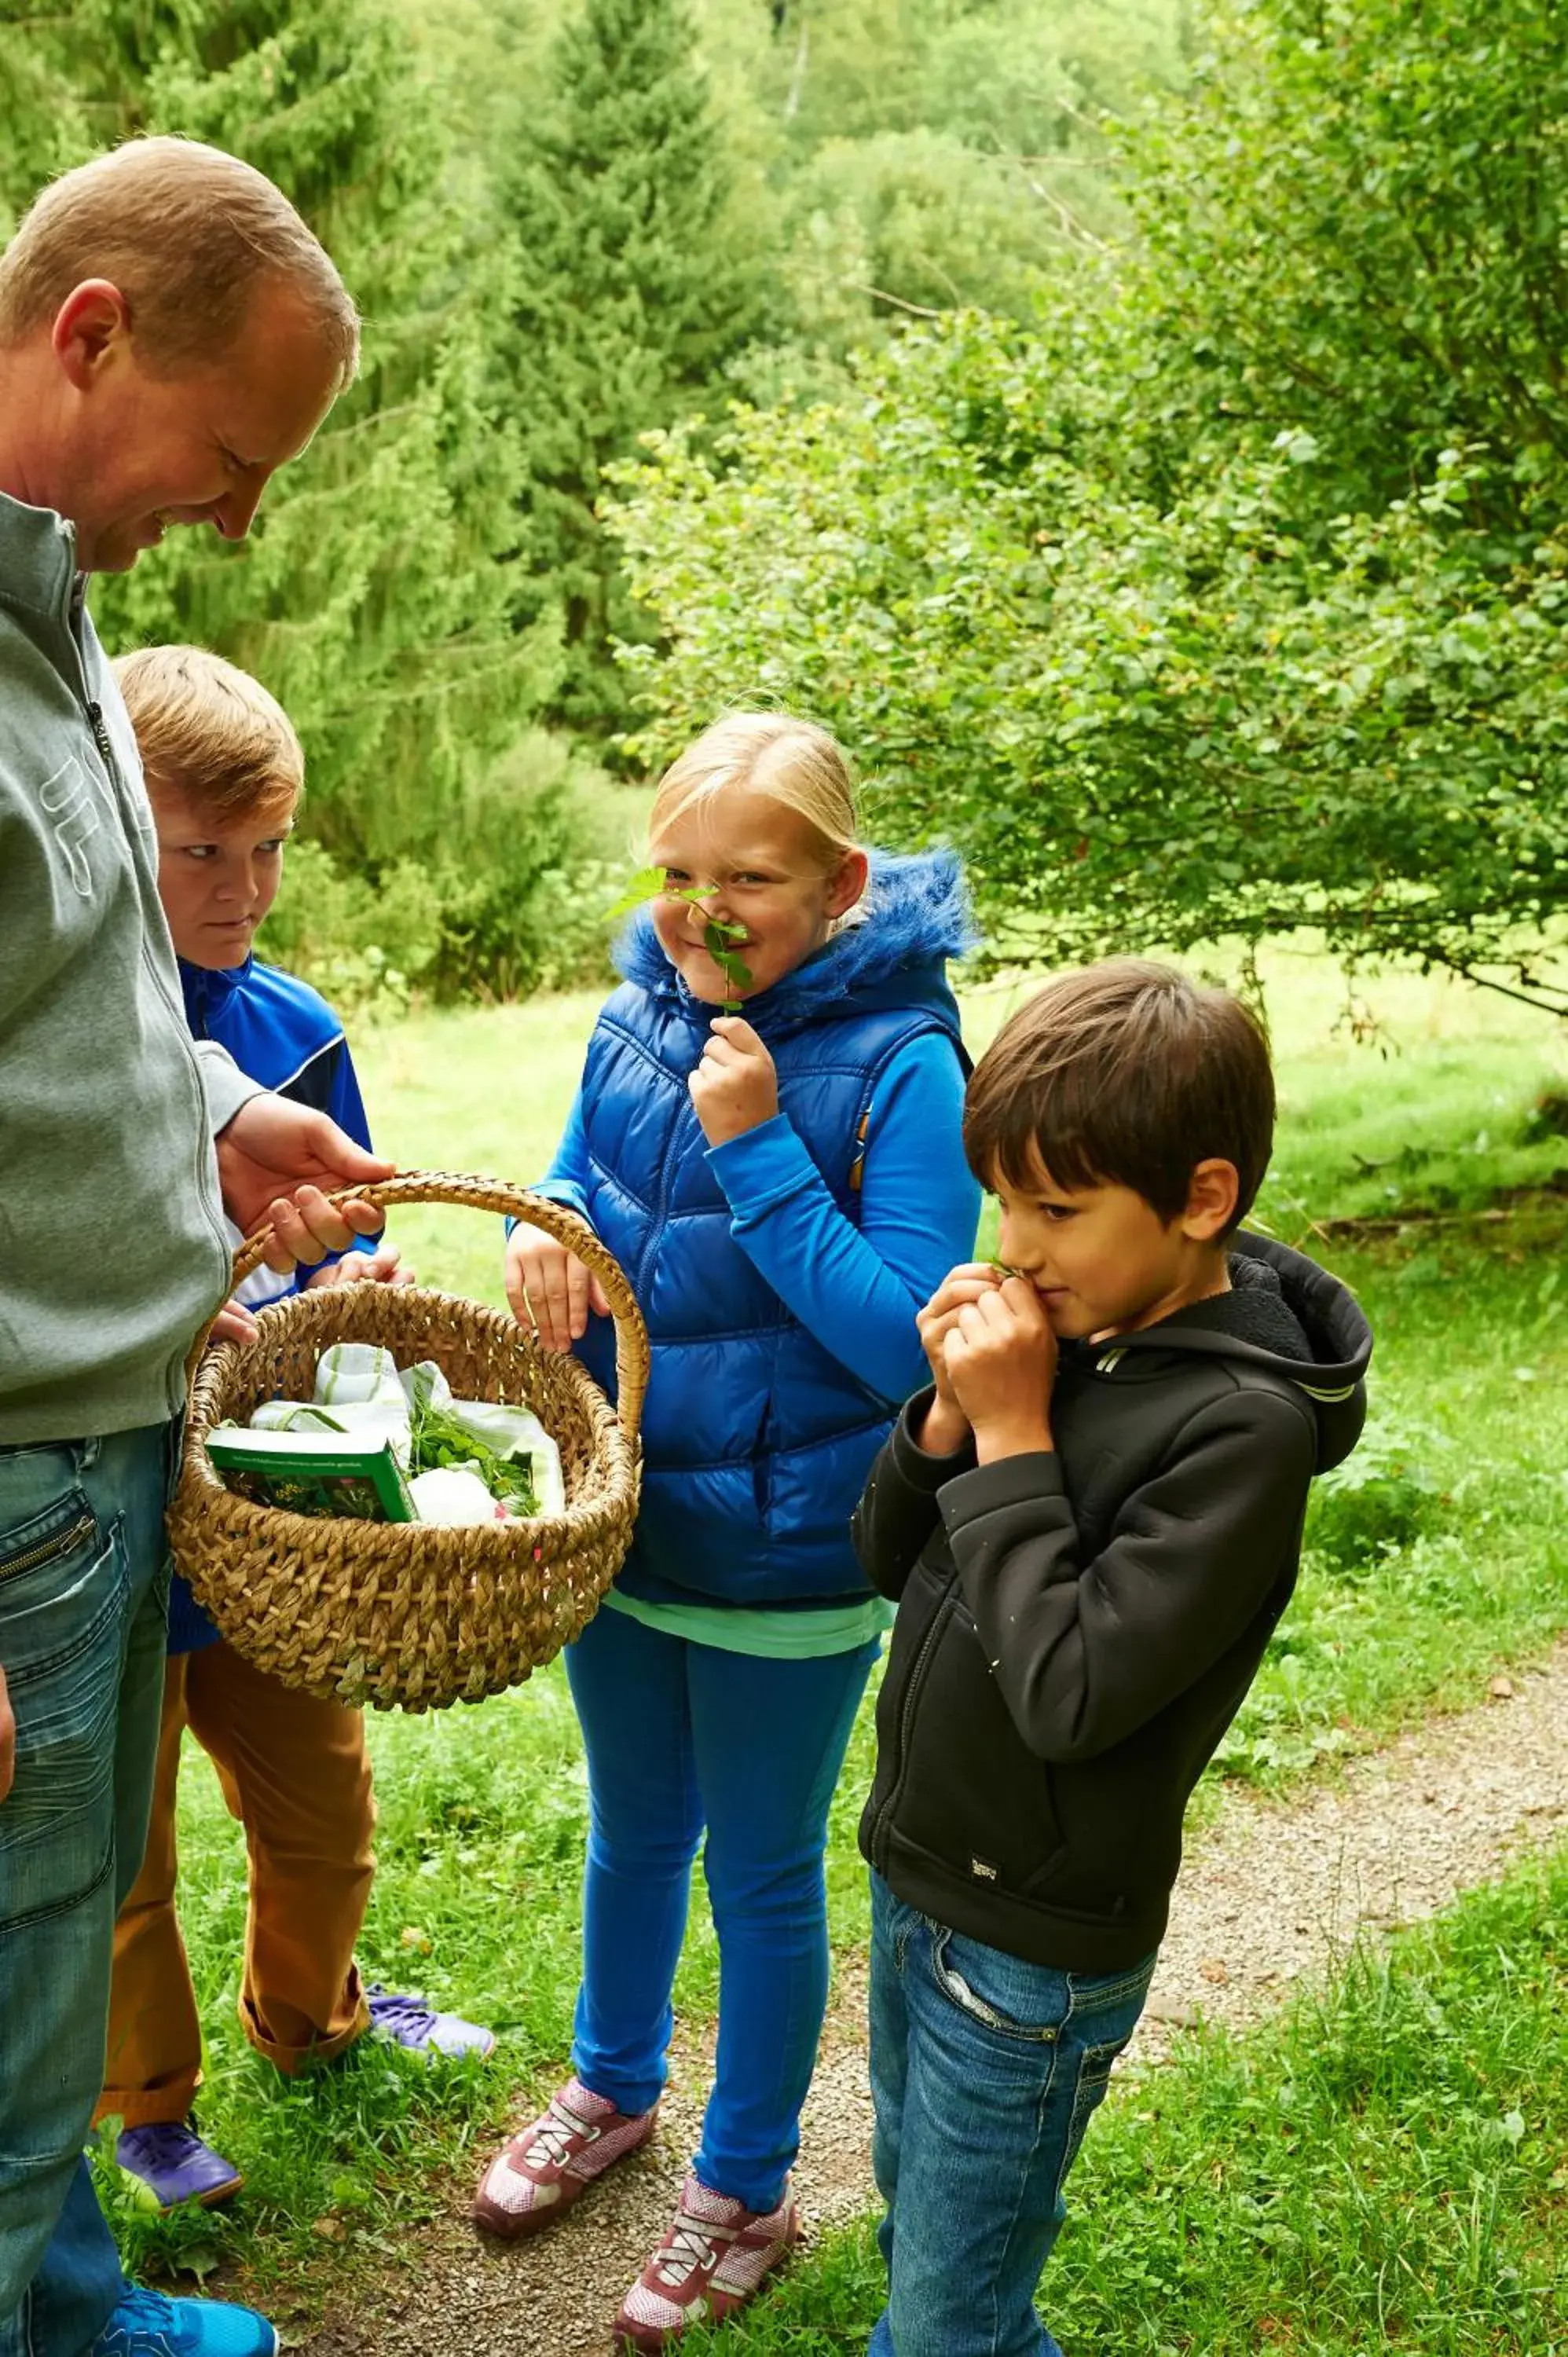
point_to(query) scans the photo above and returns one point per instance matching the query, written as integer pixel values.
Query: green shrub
(1383, 1496)
(513, 895)
(533, 858)
(364, 943)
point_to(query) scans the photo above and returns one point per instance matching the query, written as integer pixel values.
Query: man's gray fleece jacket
(112, 1244)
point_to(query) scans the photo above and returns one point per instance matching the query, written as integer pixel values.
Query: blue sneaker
(409, 2021)
(145, 2324)
(171, 2164)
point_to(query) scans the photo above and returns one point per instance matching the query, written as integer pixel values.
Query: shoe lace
(552, 2141)
(401, 2013)
(168, 2143)
(688, 2246)
(140, 2323)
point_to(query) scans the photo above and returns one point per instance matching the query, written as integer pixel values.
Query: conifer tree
(635, 280)
(368, 596)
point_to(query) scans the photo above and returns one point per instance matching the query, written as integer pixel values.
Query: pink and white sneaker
(709, 2263)
(543, 2170)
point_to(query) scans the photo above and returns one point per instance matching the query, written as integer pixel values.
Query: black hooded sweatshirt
(1076, 1628)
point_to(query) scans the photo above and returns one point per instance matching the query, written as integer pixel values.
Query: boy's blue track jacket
(756, 1433)
(284, 1036)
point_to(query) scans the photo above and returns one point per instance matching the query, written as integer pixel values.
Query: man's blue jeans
(984, 2071)
(83, 1603)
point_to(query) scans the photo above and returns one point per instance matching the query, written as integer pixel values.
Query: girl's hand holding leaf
(549, 1288)
(734, 1087)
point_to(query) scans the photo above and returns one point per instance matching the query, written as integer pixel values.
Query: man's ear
(92, 321)
(1211, 1201)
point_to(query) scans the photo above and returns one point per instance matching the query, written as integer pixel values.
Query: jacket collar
(37, 559)
(209, 991)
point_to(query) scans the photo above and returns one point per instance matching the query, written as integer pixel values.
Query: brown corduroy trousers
(295, 1774)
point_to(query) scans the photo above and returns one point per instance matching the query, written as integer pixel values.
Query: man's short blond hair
(210, 733)
(188, 235)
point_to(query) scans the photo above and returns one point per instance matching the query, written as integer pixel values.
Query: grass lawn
(1443, 1555)
(1382, 2168)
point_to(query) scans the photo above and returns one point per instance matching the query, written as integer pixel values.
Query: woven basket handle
(514, 1202)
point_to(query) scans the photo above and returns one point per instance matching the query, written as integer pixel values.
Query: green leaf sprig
(718, 939)
(437, 1438)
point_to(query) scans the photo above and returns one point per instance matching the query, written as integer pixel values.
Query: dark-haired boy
(1092, 1522)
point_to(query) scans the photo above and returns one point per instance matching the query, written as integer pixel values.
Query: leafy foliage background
(1140, 428)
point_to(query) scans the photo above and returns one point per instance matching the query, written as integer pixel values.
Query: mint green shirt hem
(779, 1636)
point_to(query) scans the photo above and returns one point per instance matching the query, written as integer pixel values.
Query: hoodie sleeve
(224, 1086)
(1084, 1653)
(899, 1509)
(856, 1288)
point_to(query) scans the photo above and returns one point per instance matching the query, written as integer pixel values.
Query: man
(171, 334)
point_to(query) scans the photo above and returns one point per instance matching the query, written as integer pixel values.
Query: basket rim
(614, 1457)
(468, 1190)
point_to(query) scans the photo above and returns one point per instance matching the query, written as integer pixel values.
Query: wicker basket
(402, 1614)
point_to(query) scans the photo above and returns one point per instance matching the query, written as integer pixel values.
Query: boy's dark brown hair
(1125, 1074)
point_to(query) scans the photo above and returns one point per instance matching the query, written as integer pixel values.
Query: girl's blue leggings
(680, 1736)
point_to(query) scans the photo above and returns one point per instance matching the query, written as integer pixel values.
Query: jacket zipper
(101, 737)
(96, 722)
(61, 1544)
(657, 1221)
(906, 1713)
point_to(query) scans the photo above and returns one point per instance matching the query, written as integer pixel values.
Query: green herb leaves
(719, 939)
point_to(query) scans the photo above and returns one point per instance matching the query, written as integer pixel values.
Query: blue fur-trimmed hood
(918, 916)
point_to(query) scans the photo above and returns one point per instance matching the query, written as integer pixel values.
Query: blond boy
(224, 773)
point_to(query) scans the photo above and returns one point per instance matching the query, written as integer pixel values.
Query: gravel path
(1269, 1892)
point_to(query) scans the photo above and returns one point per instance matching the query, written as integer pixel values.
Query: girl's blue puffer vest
(756, 1440)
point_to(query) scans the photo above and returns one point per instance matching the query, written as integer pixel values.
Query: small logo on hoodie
(982, 1869)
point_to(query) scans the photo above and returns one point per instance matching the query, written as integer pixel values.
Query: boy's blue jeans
(83, 1599)
(984, 2071)
(680, 1736)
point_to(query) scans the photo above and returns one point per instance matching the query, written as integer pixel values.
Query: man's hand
(1001, 1361)
(7, 1740)
(946, 1427)
(382, 1267)
(550, 1289)
(273, 1159)
(735, 1086)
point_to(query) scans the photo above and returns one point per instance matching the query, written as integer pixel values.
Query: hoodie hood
(916, 917)
(1283, 1313)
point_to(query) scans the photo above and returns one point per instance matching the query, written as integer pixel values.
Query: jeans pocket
(1110, 2008)
(62, 1629)
(1027, 2003)
(43, 1544)
(1094, 2068)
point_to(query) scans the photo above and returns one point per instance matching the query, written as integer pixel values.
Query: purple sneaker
(170, 2160)
(409, 2021)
